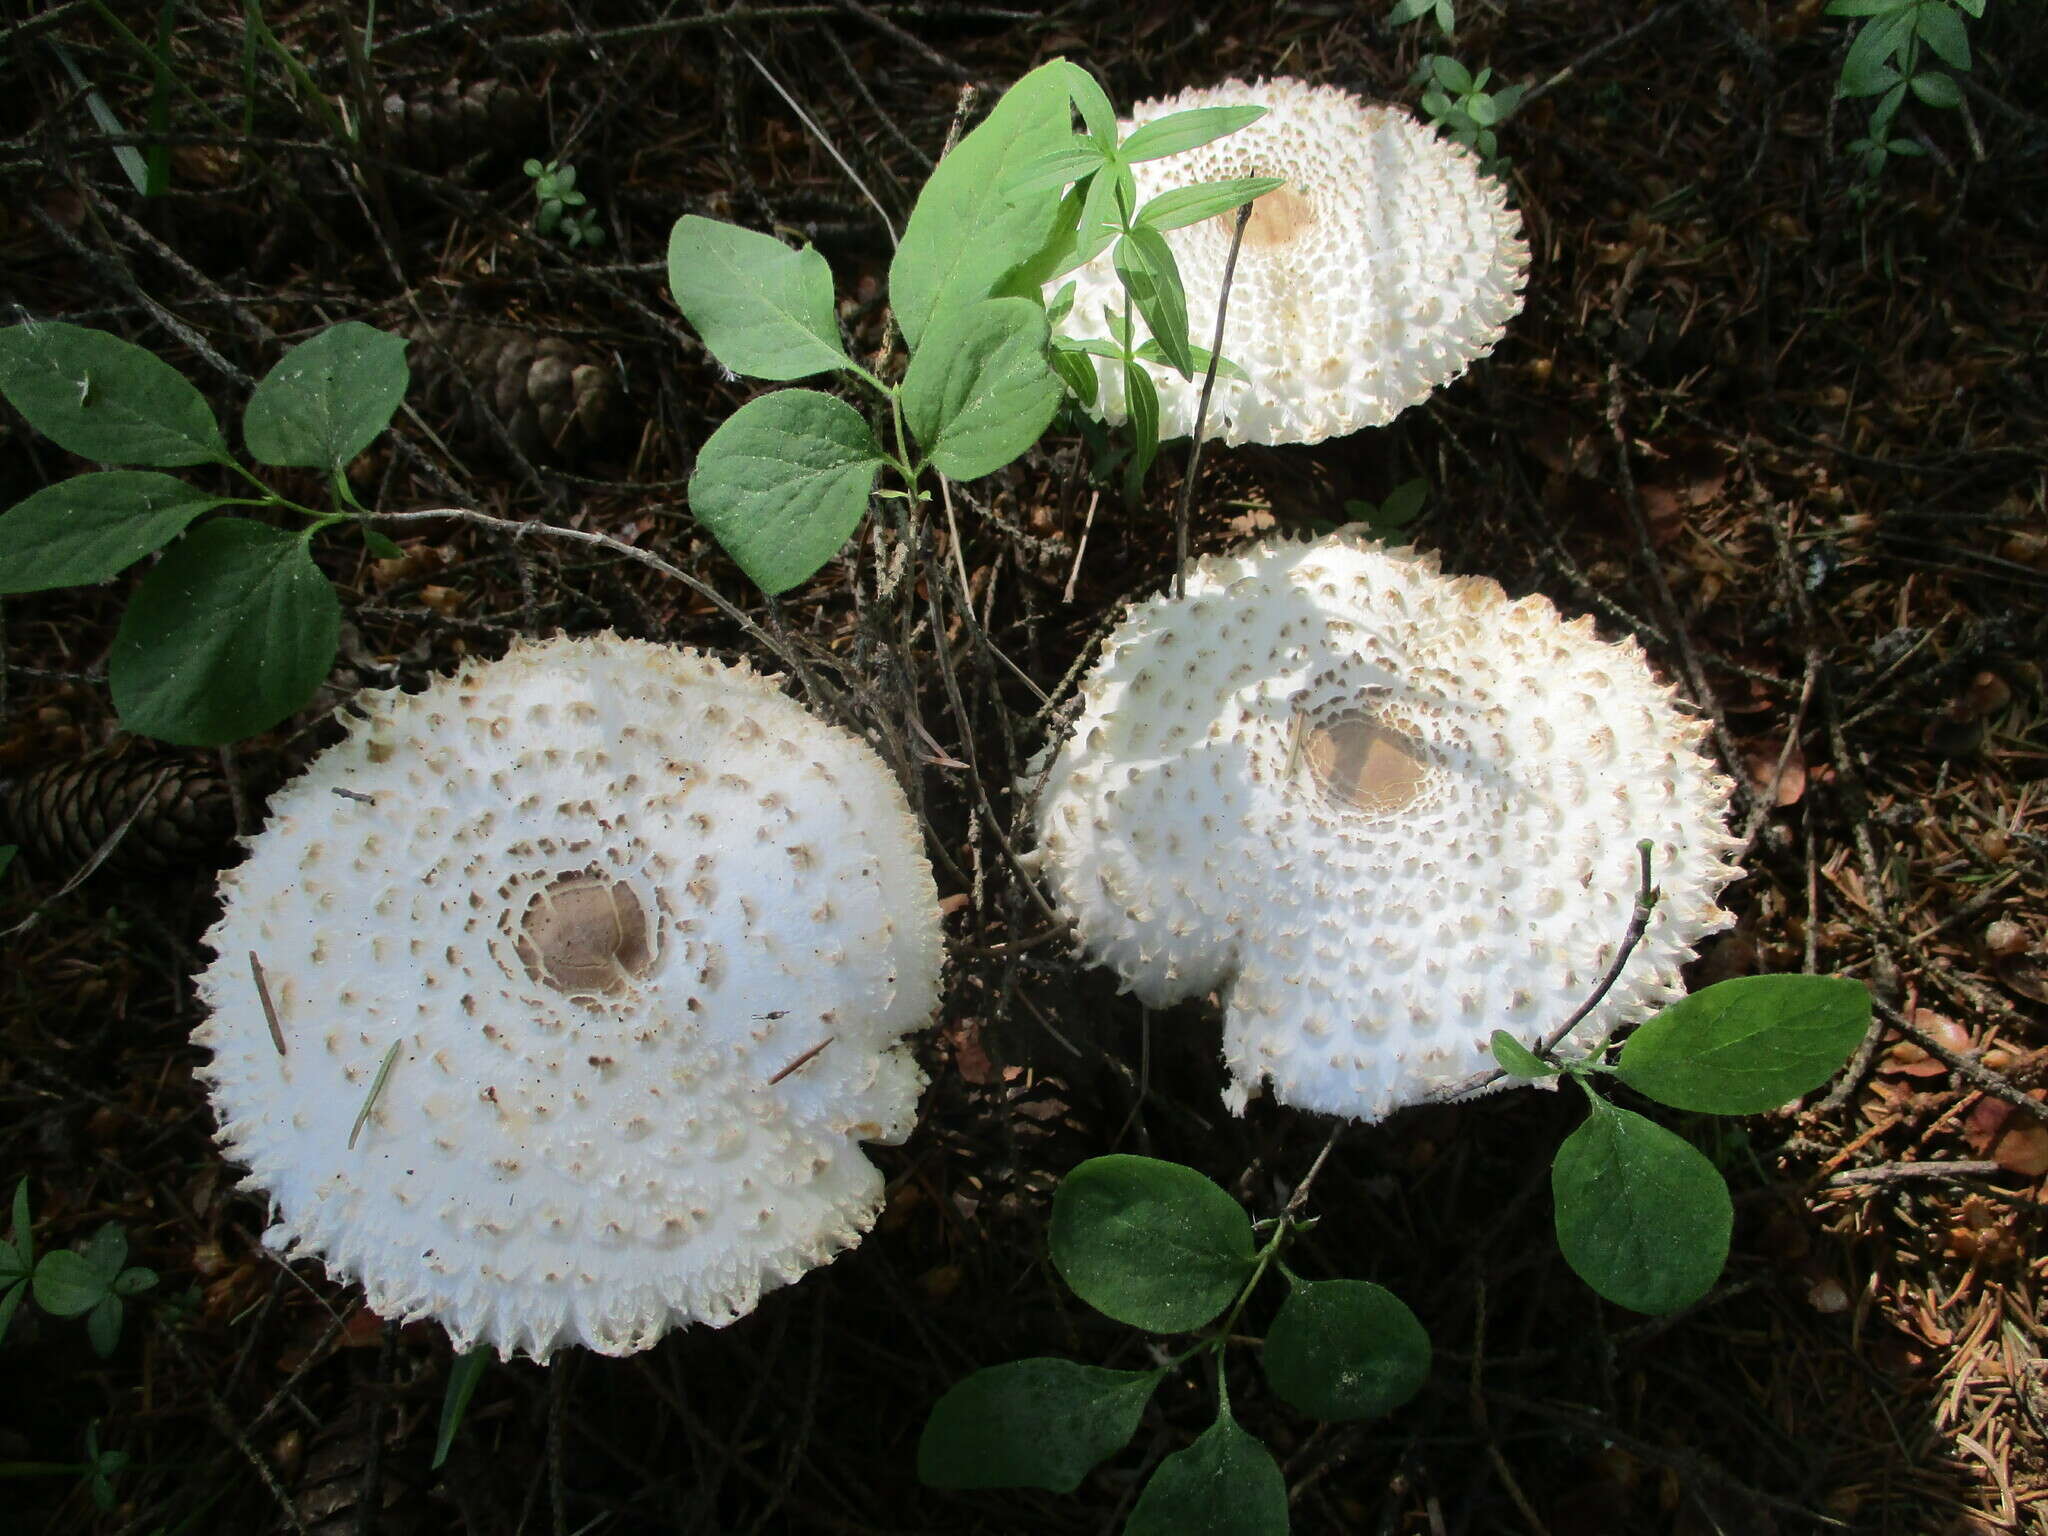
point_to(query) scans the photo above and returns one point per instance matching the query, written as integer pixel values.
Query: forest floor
(1790, 438)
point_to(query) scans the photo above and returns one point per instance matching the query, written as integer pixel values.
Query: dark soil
(1792, 441)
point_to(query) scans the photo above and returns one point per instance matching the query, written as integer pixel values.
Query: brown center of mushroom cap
(1276, 218)
(1365, 764)
(584, 933)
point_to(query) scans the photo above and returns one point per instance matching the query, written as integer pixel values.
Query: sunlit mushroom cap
(1381, 271)
(591, 903)
(1383, 810)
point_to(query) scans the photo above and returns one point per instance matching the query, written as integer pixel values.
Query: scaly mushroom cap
(1384, 268)
(1386, 811)
(600, 895)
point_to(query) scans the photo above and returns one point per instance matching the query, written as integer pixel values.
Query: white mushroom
(630, 941)
(1385, 811)
(1382, 270)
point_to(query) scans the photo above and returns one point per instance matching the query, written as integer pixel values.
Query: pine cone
(435, 129)
(61, 815)
(555, 396)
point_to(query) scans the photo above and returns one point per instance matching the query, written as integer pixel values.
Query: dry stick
(830, 148)
(888, 28)
(1187, 485)
(1899, 1173)
(269, 1008)
(225, 1423)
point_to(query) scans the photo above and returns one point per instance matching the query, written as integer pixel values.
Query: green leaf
(1031, 1424)
(1346, 1349)
(20, 1232)
(966, 233)
(1450, 74)
(1076, 371)
(1152, 352)
(103, 1325)
(1190, 205)
(134, 1281)
(1513, 1057)
(1938, 91)
(467, 1371)
(1868, 7)
(1144, 261)
(1089, 100)
(7, 851)
(1404, 503)
(1225, 1484)
(783, 483)
(980, 390)
(1054, 171)
(90, 527)
(763, 309)
(10, 1301)
(1150, 1243)
(1642, 1216)
(66, 1284)
(1867, 70)
(1943, 31)
(106, 1250)
(327, 398)
(103, 398)
(233, 631)
(1405, 11)
(1180, 131)
(1746, 1046)
(1141, 401)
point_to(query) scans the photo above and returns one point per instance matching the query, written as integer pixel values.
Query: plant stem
(1647, 897)
(1187, 484)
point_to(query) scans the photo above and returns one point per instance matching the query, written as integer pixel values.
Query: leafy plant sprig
(99, 1469)
(1160, 1247)
(787, 478)
(554, 189)
(1457, 101)
(1443, 12)
(1390, 519)
(93, 1284)
(1642, 1215)
(236, 626)
(1886, 60)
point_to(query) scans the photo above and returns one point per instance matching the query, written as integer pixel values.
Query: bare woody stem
(1647, 897)
(1187, 484)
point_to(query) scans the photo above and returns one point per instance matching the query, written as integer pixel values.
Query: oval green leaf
(1642, 1216)
(326, 399)
(783, 483)
(967, 231)
(233, 631)
(103, 398)
(980, 390)
(66, 1284)
(1746, 1046)
(763, 309)
(1513, 1057)
(1346, 1349)
(90, 527)
(1141, 402)
(103, 1325)
(1031, 1424)
(1150, 1243)
(1225, 1484)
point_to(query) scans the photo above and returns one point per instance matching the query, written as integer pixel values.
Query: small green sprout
(554, 188)
(92, 1283)
(1457, 101)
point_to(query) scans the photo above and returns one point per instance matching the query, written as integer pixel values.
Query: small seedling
(554, 188)
(1443, 11)
(1160, 1247)
(93, 1283)
(1643, 1216)
(1390, 519)
(235, 626)
(1886, 60)
(1457, 101)
(788, 477)
(99, 1469)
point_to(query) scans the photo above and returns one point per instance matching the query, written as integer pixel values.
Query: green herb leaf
(1225, 1484)
(102, 398)
(1943, 31)
(1150, 275)
(1190, 205)
(1746, 1046)
(463, 1376)
(1346, 1349)
(1152, 352)
(1642, 1216)
(980, 390)
(1089, 99)
(134, 1281)
(11, 1293)
(1938, 91)
(763, 309)
(66, 1284)
(103, 1325)
(90, 527)
(1180, 131)
(1031, 1424)
(1150, 1243)
(783, 483)
(327, 398)
(1054, 171)
(1077, 372)
(1141, 401)
(1513, 1057)
(966, 234)
(1866, 69)
(233, 631)
(21, 1238)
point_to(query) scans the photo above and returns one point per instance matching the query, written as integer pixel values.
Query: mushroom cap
(599, 896)
(1384, 810)
(1384, 268)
